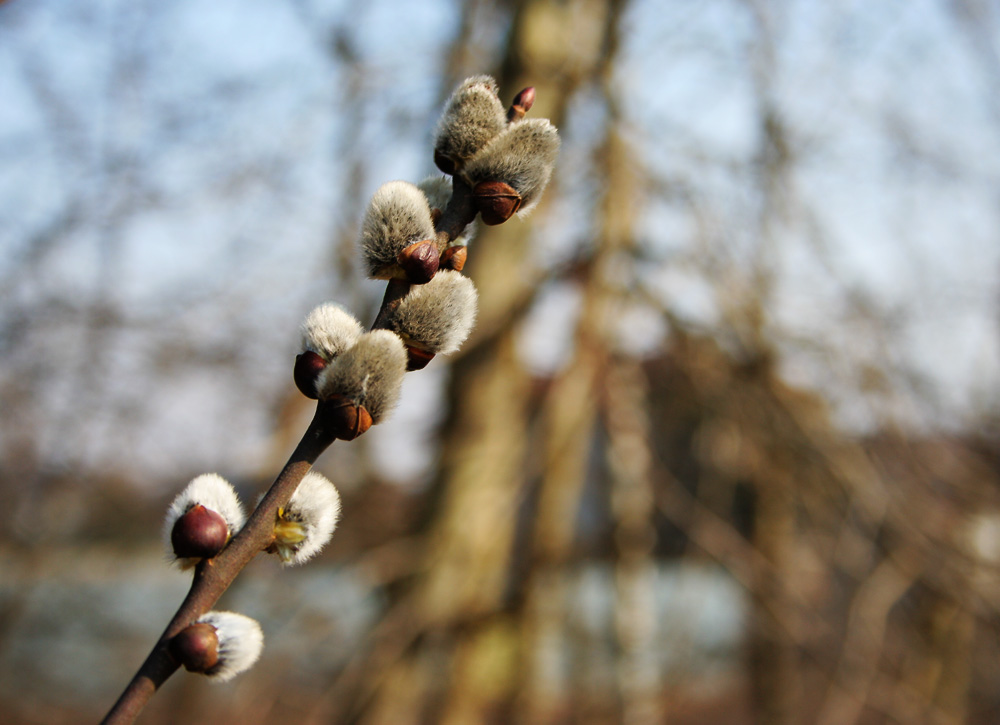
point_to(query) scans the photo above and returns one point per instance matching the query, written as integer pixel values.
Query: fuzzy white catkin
(240, 644)
(522, 156)
(214, 493)
(472, 116)
(329, 330)
(370, 373)
(439, 315)
(315, 505)
(397, 215)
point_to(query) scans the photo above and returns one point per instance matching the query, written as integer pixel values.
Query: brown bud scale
(199, 534)
(196, 647)
(420, 261)
(454, 258)
(444, 163)
(496, 201)
(417, 359)
(346, 419)
(308, 366)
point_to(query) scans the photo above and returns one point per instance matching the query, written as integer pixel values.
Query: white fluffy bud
(215, 494)
(472, 117)
(522, 157)
(306, 524)
(438, 316)
(370, 374)
(240, 644)
(329, 329)
(397, 215)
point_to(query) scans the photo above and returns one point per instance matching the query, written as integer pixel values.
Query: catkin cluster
(200, 523)
(506, 159)
(414, 236)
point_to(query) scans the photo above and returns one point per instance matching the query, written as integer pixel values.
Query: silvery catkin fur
(329, 329)
(438, 316)
(522, 156)
(370, 373)
(472, 117)
(397, 215)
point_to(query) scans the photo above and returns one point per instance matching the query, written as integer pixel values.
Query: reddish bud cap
(346, 419)
(308, 366)
(199, 534)
(496, 201)
(420, 261)
(197, 647)
(522, 103)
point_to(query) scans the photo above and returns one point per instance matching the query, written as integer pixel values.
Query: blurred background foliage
(722, 448)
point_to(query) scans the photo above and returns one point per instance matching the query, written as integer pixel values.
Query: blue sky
(201, 157)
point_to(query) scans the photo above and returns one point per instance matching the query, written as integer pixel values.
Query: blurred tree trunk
(594, 378)
(774, 656)
(466, 657)
(774, 659)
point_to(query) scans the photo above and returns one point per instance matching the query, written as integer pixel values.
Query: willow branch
(212, 577)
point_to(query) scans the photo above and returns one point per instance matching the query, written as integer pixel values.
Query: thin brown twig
(212, 577)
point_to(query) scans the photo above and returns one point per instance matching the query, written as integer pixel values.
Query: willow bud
(201, 520)
(328, 330)
(345, 419)
(369, 375)
(199, 534)
(454, 257)
(522, 103)
(308, 366)
(397, 216)
(306, 523)
(435, 318)
(522, 158)
(196, 647)
(420, 261)
(220, 645)
(495, 201)
(472, 117)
